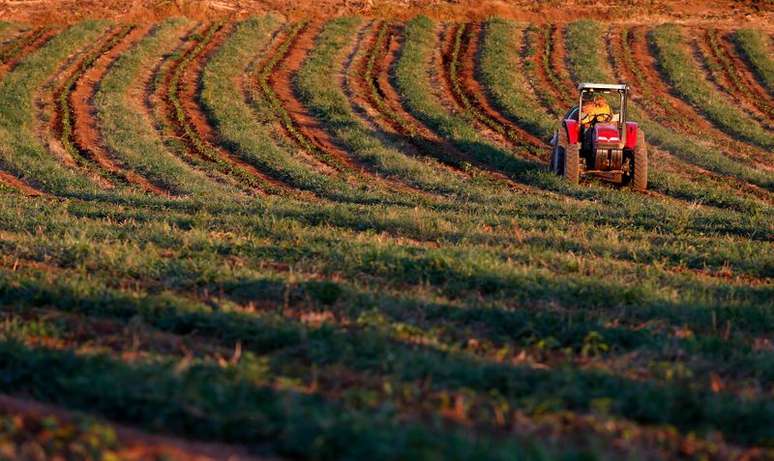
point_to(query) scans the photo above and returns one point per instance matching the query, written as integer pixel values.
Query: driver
(596, 109)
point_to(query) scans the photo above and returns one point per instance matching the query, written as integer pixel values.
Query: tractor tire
(556, 155)
(640, 175)
(571, 163)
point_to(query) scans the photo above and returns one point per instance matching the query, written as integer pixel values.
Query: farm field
(339, 239)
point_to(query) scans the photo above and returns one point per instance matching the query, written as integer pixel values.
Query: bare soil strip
(12, 181)
(675, 113)
(28, 45)
(189, 97)
(281, 82)
(558, 62)
(86, 130)
(134, 444)
(619, 51)
(307, 130)
(62, 143)
(370, 90)
(258, 90)
(475, 94)
(453, 93)
(709, 51)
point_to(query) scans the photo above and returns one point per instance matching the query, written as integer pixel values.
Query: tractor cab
(605, 141)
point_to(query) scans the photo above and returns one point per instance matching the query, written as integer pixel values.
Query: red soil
(737, 94)
(558, 59)
(396, 120)
(476, 93)
(86, 131)
(726, 13)
(680, 115)
(16, 183)
(281, 82)
(39, 38)
(545, 81)
(133, 444)
(189, 94)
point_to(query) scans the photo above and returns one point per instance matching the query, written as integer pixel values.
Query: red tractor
(600, 142)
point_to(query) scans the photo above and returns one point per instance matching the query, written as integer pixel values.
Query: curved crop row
(752, 45)
(724, 76)
(584, 43)
(328, 102)
(505, 82)
(462, 76)
(65, 110)
(129, 135)
(679, 70)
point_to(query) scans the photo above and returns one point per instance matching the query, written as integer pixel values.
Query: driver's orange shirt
(593, 108)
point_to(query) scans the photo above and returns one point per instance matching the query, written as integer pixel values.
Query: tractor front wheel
(640, 174)
(571, 163)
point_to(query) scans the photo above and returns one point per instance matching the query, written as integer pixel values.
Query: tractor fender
(573, 130)
(631, 135)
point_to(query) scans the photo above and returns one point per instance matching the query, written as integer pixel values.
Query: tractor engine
(606, 147)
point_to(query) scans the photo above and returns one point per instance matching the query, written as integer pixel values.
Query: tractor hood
(606, 134)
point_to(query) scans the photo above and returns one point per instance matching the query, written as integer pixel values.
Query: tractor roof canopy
(603, 86)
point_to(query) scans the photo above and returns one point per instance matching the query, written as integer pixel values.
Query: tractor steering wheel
(603, 118)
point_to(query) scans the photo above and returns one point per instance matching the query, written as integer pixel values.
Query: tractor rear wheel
(571, 163)
(640, 175)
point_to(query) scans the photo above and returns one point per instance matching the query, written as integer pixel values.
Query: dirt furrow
(454, 94)
(304, 129)
(86, 131)
(476, 95)
(718, 71)
(558, 60)
(192, 123)
(259, 93)
(378, 103)
(672, 111)
(27, 45)
(545, 87)
(13, 182)
(55, 118)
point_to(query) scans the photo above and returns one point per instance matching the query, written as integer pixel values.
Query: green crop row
(470, 108)
(66, 135)
(752, 44)
(23, 153)
(505, 82)
(679, 69)
(329, 104)
(131, 136)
